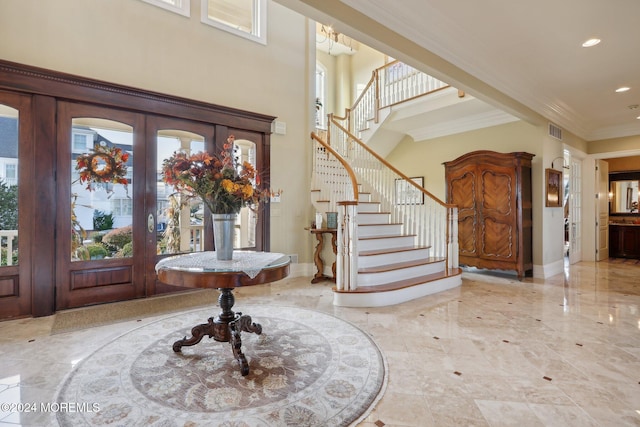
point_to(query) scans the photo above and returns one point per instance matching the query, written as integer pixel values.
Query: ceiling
(524, 57)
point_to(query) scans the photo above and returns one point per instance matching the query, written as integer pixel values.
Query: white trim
(183, 9)
(259, 30)
(548, 270)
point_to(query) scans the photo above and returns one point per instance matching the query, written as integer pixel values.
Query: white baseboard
(302, 269)
(548, 270)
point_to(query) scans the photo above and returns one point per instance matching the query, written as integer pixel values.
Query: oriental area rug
(306, 369)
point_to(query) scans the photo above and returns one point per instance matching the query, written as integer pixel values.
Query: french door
(575, 211)
(110, 232)
(16, 207)
(100, 223)
(175, 223)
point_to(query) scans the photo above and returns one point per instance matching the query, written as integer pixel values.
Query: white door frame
(588, 199)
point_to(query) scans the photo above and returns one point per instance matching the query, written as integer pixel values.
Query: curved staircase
(392, 267)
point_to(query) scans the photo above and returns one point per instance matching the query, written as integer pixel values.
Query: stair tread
(375, 213)
(399, 265)
(391, 250)
(379, 224)
(385, 236)
(407, 283)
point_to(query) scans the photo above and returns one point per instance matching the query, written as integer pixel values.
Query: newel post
(347, 257)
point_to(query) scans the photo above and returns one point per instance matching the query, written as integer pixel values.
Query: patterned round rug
(306, 369)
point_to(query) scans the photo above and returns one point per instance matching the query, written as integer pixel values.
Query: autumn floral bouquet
(223, 184)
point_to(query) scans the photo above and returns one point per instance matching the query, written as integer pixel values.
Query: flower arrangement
(223, 185)
(103, 165)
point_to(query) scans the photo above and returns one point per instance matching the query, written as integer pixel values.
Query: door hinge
(597, 195)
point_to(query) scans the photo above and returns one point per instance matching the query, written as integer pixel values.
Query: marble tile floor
(564, 351)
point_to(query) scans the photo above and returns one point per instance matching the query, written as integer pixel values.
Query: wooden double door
(146, 219)
(493, 194)
(69, 243)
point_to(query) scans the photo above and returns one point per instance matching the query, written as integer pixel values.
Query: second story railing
(391, 84)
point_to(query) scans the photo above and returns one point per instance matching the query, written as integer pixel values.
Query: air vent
(294, 258)
(555, 131)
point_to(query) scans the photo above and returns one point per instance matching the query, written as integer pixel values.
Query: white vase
(223, 235)
(318, 220)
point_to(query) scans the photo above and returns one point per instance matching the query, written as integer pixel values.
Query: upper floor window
(321, 81)
(182, 7)
(244, 18)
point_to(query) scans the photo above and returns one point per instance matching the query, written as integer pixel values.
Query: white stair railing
(433, 222)
(391, 84)
(337, 182)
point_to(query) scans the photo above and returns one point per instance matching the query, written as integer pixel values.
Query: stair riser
(382, 278)
(392, 258)
(379, 230)
(368, 207)
(364, 197)
(383, 299)
(373, 218)
(385, 243)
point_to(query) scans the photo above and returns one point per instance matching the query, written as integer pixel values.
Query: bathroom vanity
(624, 218)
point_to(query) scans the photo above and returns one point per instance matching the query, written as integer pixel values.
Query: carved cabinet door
(497, 207)
(463, 192)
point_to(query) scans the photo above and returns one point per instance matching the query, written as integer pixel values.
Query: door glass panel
(179, 219)
(245, 235)
(101, 178)
(8, 186)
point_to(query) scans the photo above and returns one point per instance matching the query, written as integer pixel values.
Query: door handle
(151, 223)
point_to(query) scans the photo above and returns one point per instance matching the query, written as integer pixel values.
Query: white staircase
(391, 267)
(396, 241)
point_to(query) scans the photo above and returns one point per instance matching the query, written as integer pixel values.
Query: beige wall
(425, 158)
(628, 143)
(345, 72)
(136, 44)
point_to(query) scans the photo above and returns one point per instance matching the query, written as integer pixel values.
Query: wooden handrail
(390, 166)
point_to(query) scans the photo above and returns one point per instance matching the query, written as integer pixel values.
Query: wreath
(103, 165)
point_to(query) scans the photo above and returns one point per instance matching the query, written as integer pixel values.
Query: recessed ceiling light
(622, 89)
(591, 42)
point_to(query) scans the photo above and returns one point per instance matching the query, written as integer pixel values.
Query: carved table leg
(319, 276)
(334, 245)
(226, 327)
(243, 323)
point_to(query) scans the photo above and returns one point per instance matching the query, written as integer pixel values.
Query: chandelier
(329, 38)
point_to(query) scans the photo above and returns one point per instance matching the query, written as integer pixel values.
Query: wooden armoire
(493, 194)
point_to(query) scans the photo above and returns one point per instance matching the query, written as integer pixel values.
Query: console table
(203, 270)
(317, 258)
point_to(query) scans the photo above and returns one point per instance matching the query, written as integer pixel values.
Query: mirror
(624, 196)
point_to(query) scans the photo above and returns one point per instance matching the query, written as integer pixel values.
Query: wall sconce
(610, 196)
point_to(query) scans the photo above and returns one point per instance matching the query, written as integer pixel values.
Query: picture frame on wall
(553, 188)
(407, 194)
